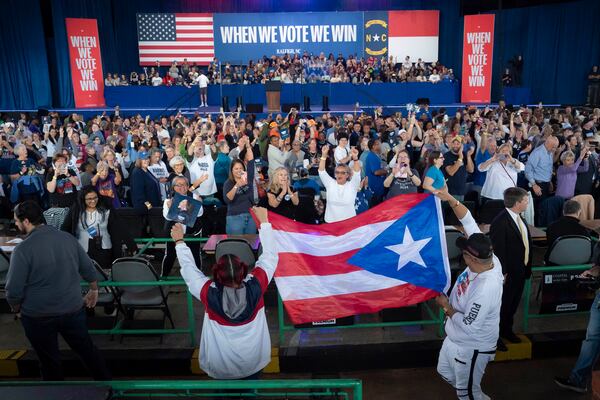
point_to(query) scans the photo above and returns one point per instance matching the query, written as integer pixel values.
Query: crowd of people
(312, 169)
(306, 68)
(540, 163)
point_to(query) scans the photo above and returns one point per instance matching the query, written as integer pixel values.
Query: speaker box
(255, 108)
(225, 103)
(307, 103)
(287, 106)
(423, 100)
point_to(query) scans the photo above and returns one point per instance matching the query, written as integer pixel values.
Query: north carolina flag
(415, 34)
(393, 255)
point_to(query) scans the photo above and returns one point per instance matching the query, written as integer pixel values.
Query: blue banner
(244, 37)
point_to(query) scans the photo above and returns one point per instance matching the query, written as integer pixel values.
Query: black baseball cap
(478, 245)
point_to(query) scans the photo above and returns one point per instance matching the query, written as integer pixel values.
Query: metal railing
(150, 242)
(434, 320)
(561, 268)
(308, 388)
(119, 330)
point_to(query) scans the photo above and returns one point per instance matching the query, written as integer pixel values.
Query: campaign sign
(86, 62)
(244, 37)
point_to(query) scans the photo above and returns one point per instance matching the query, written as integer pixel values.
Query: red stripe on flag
(324, 308)
(193, 15)
(176, 56)
(389, 210)
(305, 264)
(208, 29)
(180, 47)
(414, 23)
(193, 23)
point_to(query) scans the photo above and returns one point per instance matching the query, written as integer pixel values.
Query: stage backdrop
(86, 62)
(478, 49)
(238, 38)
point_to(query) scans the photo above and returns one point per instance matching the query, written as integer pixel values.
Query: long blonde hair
(275, 187)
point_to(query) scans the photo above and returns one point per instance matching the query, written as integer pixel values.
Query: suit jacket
(565, 226)
(508, 245)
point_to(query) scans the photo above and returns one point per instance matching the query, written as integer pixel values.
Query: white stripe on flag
(194, 19)
(195, 35)
(423, 47)
(176, 51)
(194, 27)
(327, 245)
(311, 286)
(171, 59)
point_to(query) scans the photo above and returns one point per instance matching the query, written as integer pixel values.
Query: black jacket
(508, 245)
(565, 226)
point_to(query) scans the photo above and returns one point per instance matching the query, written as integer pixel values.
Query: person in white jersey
(201, 164)
(235, 341)
(472, 310)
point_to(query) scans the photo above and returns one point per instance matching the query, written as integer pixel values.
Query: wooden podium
(273, 90)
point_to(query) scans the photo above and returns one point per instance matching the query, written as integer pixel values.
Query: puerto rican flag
(393, 255)
(415, 34)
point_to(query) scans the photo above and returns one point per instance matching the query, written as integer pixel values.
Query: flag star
(376, 38)
(409, 250)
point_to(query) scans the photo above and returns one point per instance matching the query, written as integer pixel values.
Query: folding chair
(135, 269)
(237, 247)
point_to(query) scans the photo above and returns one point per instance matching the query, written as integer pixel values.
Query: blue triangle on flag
(420, 257)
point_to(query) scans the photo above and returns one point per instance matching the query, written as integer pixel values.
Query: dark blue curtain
(23, 62)
(102, 11)
(560, 43)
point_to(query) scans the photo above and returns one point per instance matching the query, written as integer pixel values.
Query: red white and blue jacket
(235, 341)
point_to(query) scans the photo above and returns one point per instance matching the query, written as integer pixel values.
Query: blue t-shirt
(372, 164)
(438, 177)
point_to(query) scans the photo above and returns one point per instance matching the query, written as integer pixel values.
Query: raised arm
(194, 278)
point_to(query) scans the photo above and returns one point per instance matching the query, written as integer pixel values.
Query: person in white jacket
(472, 310)
(235, 341)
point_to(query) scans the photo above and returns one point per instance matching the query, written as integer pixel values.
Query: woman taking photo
(145, 189)
(434, 177)
(341, 191)
(281, 198)
(403, 179)
(106, 182)
(238, 193)
(91, 223)
(178, 168)
(502, 172)
(235, 341)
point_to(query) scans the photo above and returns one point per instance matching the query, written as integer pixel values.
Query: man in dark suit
(568, 224)
(512, 245)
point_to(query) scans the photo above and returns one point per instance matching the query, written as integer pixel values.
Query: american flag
(173, 37)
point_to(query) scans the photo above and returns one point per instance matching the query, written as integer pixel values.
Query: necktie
(523, 231)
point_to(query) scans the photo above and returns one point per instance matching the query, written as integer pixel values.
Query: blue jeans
(590, 348)
(43, 332)
(241, 224)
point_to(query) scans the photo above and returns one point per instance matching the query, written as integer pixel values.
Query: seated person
(568, 224)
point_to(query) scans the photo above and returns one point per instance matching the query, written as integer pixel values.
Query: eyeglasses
(341, 173)
(91, 198)
(181, 185)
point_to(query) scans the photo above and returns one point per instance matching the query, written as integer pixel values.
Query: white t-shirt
(499, 177)
(203, 166)
(340, 153)
(340, 198)
(159, 170)
(476, 297)
(202, 80)
(156, 81)
(162, 134)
